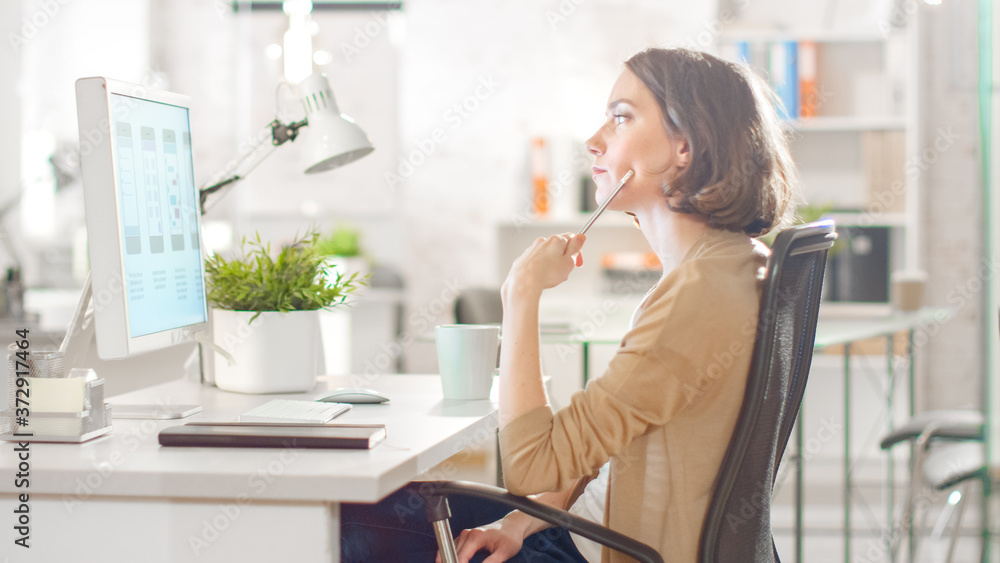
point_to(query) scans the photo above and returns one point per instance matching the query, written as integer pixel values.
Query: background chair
(938, 468)
(776, 382)
(946, 452)
(479, 306)
(953, 467)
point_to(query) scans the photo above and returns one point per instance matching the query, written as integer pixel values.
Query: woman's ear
(682, 154)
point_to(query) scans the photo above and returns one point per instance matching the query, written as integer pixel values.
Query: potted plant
(265, 323)
(342, 249)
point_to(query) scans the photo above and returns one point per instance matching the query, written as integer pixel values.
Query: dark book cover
(360, 437)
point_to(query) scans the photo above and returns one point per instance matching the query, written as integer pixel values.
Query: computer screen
(147, 268)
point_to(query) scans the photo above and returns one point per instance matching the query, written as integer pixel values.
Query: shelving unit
(867, 81)
(857, 153)
(848, 123)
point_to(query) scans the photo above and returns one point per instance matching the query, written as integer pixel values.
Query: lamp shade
(331, 139)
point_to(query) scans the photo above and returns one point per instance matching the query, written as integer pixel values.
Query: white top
(590, 504)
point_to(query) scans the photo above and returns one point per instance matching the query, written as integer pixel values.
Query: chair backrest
(738, 524)
(479, 306)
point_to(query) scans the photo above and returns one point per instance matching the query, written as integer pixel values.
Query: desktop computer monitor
(143, 220)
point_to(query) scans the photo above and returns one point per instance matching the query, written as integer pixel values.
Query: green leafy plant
(343, 241)
(296, 280)
(808, 213)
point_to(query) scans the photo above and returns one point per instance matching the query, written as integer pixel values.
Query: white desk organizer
(72, 410)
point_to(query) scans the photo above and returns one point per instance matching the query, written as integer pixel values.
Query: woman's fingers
(544, 264)
(473, 542)
(573, 246)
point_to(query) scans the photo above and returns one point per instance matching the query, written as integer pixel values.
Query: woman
(711, 171)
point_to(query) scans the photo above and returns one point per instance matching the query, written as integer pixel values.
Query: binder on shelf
(784, 76)
(809, 101)
(883, 157)
(743, 52)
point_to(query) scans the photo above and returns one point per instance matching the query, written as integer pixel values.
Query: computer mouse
(353, 395)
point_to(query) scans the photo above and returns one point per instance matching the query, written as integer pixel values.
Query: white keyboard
(290, 410)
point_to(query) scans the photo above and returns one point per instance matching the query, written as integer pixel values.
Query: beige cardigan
(666, 407)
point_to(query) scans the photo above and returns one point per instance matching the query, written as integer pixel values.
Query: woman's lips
(598, 171)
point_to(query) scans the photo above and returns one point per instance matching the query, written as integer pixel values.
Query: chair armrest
(962, 433)
(590, 530)
(949, 424)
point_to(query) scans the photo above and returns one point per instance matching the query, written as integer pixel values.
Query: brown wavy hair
(741, 176)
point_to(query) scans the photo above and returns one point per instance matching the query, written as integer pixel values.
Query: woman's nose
(595, 145)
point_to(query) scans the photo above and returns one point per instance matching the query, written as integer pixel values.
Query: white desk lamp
(332, 139)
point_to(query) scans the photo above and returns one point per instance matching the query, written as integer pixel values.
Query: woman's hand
(546, 263)
(501, 544)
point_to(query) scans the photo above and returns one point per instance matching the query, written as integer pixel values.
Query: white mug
(467, 360)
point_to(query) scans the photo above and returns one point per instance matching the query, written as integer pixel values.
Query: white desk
(122, 497)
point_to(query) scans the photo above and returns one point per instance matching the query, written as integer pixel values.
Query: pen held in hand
(600, 209)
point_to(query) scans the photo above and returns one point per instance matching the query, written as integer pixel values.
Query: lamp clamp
(281, 133)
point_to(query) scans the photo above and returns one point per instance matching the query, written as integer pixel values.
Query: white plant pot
(276, 353)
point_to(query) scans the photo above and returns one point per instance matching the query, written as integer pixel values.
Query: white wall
(11, 23)
(954, 233)
(64, 40)
(810, 14)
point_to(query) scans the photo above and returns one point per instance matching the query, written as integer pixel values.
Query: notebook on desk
(295, 411)
(275, 435)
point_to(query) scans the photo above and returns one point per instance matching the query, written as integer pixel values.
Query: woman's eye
(619, 119)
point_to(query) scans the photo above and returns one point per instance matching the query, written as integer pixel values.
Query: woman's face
(633, 138)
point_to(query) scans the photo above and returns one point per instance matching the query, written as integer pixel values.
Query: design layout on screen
(164, 286)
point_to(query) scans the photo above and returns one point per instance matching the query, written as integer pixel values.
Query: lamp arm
(280, 134)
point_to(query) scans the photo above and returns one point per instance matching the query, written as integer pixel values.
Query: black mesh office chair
(779, 368)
